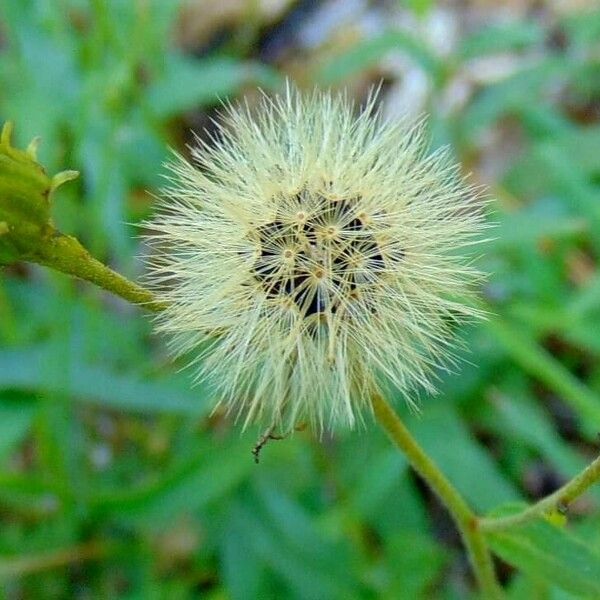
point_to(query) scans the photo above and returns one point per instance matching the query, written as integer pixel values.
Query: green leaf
(98, 385)
(529, 423)
(583, 25)
(296, 530)
(415, 562)
(466, 464)
(536, 361)
(306, 579)
(419, 7)
(551, 553)
(540, 220)
(376, 482)
(242, 569)
(189, 84)
(509, 94)
(365, 54)
(500, 38)
(377, 485)
(206, 477)
(523, 587)
(16, 419)
(586, 300)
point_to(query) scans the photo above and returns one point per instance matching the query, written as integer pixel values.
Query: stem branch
(559, 500)
(25, 565)
(64, 253)
(464, 518)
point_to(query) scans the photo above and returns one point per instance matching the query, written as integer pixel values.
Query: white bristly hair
(312, 256)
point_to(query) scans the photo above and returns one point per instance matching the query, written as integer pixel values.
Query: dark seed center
(316, 250)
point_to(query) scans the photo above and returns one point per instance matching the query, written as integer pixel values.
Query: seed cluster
(313, 255)
(322, 259)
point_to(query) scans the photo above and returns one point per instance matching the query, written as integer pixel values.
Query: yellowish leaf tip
(33, 147)
(62, 177)
(6, 134)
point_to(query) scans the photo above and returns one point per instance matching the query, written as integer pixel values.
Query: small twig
(24, 565)
(263, 440)
(558, 501)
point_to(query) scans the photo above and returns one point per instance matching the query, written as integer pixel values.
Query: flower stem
(466, 521)
(559, 500)
(64, 253)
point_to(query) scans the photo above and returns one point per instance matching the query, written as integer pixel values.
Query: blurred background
(116, 482)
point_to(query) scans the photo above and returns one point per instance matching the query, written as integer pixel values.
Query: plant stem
(25, 565)
(559, 500)
(64, 253)
(464, 518)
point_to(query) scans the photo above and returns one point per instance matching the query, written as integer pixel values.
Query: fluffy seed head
(312, 256)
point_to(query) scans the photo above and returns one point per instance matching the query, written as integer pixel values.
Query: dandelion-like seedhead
(312, 256)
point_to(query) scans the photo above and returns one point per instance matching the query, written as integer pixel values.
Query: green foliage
(24, 201)
(370, 52)
(116, 481)
(188, 84)
(550, 553)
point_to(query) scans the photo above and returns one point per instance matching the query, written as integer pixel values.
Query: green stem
(64, 253)
(25, 565)
(558, 501)
(466, 521)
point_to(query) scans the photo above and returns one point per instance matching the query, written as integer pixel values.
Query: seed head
(312, 256)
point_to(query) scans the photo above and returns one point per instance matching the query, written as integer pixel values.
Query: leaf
(554, 554)
(415, 562)
(420, 7)
(528, 422)
(509, 95)
(500, 38)
(367, 53)
(16, 419)
(97, 385)
(242, 569)
(523, 587)
(464, 462)
(106, 186)
(208, 476)
(536, 361)
(296, 530)
(29, 496)
(305, 579)
(540, 220)
(567, 178)
(377, 481)
(377, 486)
(189, 84)
(586, 300)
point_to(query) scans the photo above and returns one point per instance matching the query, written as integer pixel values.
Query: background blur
(114, 480)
